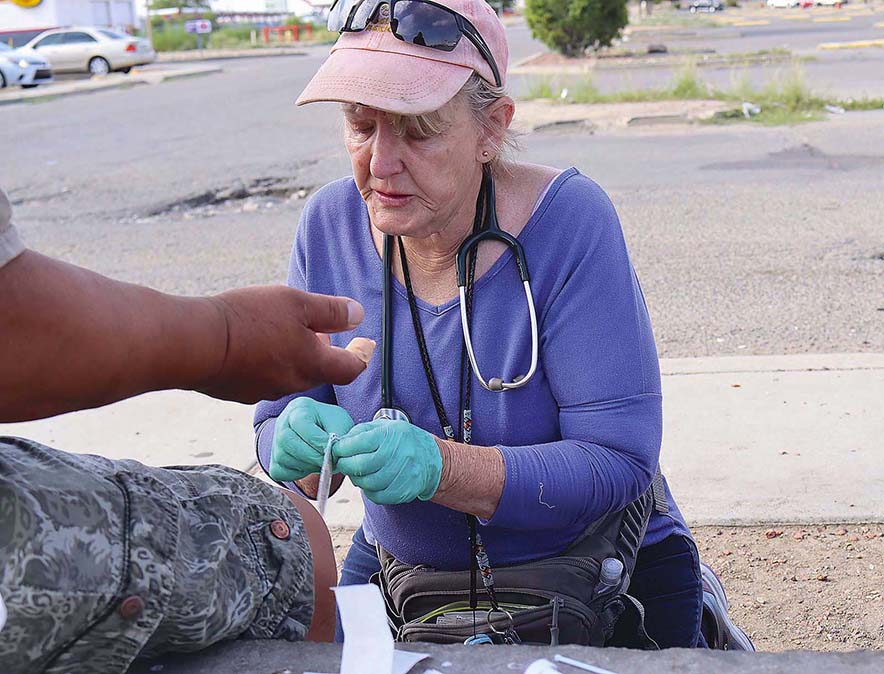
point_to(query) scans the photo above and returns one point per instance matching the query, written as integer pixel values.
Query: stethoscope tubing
(492, 231)
(495, 383)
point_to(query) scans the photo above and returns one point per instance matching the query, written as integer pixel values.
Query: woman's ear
(499, 116)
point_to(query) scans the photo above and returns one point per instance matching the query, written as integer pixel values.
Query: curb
(672, 61)
(43, 97)
(859, 44)
(208, 55)
(90, 86)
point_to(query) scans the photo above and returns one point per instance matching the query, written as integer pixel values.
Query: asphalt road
(747, 240)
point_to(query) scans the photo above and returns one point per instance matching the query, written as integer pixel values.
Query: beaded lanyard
(479, 562)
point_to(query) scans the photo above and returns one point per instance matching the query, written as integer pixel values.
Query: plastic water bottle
(610, 577)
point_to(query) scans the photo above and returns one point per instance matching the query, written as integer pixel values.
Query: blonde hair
(478, 95)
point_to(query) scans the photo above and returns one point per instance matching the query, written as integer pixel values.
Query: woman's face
(415, 184)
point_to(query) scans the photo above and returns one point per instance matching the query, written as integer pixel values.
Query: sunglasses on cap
(419, 22)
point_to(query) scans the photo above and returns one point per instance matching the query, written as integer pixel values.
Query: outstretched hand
(276, 345)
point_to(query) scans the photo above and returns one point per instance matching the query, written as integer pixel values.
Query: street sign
(198, 26)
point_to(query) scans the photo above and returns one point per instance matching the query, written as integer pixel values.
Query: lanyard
(479, 562)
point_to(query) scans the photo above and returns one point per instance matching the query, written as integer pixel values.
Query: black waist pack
(557, 600)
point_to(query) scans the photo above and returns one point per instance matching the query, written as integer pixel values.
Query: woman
(426, 123)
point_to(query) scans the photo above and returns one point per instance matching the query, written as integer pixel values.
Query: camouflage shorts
(102, 561)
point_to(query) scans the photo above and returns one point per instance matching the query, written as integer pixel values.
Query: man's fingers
(325, 313)
(341, 366)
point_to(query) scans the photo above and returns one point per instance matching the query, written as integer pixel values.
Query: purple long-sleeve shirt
(582, 438)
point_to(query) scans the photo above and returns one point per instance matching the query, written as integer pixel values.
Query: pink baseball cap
(374, 68)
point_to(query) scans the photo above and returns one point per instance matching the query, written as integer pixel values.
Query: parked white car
(96, 51)
(22, 67)
(783, 3)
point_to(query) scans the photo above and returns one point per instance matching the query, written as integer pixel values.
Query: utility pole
(149, 25)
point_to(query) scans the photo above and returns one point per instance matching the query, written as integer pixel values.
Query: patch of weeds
(584, 91)
(784, 100)
(542, 87)
(861, 103)
(687, 85)
(676, 19)
(783, 117)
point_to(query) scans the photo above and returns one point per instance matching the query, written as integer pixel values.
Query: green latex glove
(301, 435)
(391, 461)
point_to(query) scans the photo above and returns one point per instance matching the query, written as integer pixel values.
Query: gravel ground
(816, 588)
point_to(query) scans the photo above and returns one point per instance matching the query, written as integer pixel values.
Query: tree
(573, 26)
(168, 4)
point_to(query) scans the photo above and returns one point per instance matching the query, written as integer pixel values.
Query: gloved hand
(391, 461)
(301, 435)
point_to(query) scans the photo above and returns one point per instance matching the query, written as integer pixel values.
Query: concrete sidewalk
(750, 439)
(280, 657)
(109, 81)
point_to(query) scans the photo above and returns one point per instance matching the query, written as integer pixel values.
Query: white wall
(117, 13)
(239, 5)
(13, 17)
(67, 12)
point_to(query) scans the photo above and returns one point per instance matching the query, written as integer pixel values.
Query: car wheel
(98, 66)
(2, 81)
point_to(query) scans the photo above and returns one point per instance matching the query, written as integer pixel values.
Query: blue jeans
(666, 581)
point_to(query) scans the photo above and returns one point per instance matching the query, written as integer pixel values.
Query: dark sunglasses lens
(424, 24)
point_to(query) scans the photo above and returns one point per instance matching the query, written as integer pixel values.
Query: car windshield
(113, 35)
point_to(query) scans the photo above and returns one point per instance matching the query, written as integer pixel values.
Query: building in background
(20, 20)
(295, 7)
(268, 12)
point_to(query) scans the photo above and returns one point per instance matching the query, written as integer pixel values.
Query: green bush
(171, 37)
(231, 37)
(687, 84)
(573, 26)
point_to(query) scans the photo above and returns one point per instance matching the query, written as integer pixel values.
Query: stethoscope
(490, 231)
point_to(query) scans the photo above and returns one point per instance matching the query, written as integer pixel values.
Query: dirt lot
(818, 587)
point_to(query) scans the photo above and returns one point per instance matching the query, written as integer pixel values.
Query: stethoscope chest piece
(391, 414)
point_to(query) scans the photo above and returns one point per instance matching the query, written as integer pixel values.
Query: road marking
(800, 17)
(879, 25)
(860, 44)
(763, 22)
(833, 19)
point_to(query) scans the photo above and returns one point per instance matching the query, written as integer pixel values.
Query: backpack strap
(661, 505)
(625, 618)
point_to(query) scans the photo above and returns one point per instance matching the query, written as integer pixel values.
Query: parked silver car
(22, 67)
(96, 51)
